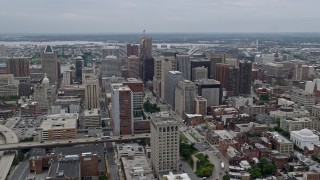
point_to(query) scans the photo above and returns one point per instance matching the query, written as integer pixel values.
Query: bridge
(71, 142)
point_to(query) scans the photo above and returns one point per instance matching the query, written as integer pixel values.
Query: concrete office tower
(137, 89)
(172, 79)
(162, 66)
(210, 89)
(303, 72)
(216, 58)
(18, 66)
(92, 118)
(132, 49)
(245, 77)
(307, 99)
(200, 106)
(200, 63)
(199, 73)
(111, 66)
(49, 64)
(67, 77)
(164, 144)
(122, 109)
(110, 51)
(40, 94)
(87, 73)
(79, 67)
(92, 93)
(183, 62)
(2, 50)
(146, 47)
(87, 57)
(184, 97)
(133, 66)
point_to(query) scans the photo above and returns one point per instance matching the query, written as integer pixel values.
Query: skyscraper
(49, 64)
(200, 106)
(210, 89)
(67, 77)
(132, 49)
(92, 93)
(122, 109)
(164, 144)
(111, 66)
(172, 79)
(87, 57)
(110, 51)
(146, 59)
(245, 77)
(133, 66)
(216, 58)
(2, 50)
(199, 73)
(136, 86)
(79, 67)
(200, 63)
(184, 97)
(184, 65)
(18, 66)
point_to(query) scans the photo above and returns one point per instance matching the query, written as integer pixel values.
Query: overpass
(71, 142)
(6, 160)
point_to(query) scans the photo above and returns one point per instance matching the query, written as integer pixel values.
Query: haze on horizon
(120, 16)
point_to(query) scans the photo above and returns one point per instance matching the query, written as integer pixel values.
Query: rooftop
(279, 137)
(137, 168)
(92, 112)
(183, 176)
(64, 168)
(60, 121)
(48, 50)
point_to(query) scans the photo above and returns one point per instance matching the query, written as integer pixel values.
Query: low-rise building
(92, 118)
(136, 168)
(280, 143)
(59, 126)
(316, 110)
(212, 138)
(290, 112)
(171, 176)
(296, 124)
(130, 150)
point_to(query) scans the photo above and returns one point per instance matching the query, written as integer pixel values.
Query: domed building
(304, 138)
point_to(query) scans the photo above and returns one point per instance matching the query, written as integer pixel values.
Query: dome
(305, 132)
(45, 80)
(79, 58)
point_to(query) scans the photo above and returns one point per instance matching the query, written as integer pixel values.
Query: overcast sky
(105, 16)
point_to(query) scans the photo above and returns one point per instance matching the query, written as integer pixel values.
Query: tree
(264, 97)
(269, 169)
(255, 173)
(226, 177)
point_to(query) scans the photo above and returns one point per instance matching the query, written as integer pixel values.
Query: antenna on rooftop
(144, 33)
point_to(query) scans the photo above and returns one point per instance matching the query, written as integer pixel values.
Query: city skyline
(159, 16)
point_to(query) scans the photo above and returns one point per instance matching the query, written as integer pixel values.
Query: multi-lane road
(70, 142)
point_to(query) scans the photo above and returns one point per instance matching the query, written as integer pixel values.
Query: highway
(71, 142)
(6, 160)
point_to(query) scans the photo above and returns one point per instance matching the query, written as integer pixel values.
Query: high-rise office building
(8, 87)
(222, 74)
(132, 49)
(210, 89)
(162, 66)
(40, 94)
(87, 73)
(18, 66)
(199, 73)
(216, 58)
(92, 93)
(146, 59)
(200, 63)
(111, 66)
(79, 67)
(164, 144)
(87, 57)
(122, 109)
(67, 77)
(172, 79)
(49, 64)
(133, 66)
(184, 66)
(233, 81)
(110, 51)
(137, 89)
(200, 106)
(184, 97)
(2, 50)
(245, 77)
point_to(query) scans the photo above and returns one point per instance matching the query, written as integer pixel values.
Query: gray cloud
(103, 16)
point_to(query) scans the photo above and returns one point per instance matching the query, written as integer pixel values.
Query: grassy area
(186, 151)
(204, 167)
(194, 137)
(183, 138)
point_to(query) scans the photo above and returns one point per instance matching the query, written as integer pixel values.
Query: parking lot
(25, 127)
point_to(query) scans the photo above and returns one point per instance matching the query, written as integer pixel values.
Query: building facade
(92, 93)
(172, 79)
(49, 64)
(245, 77)
(184, 97)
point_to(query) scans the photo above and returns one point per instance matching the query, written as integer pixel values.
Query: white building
(289, 112)
(242, 101)
(67, 77)
(171, 176)
(184, 97)
(304, 138)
